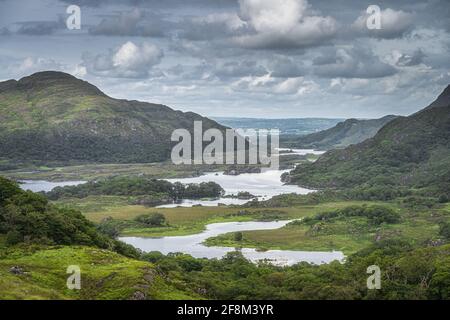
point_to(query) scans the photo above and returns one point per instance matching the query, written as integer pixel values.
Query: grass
(84, 171)
(185, 221)
(98, 171)
(104, 275)
(348, 235)
(297, 238)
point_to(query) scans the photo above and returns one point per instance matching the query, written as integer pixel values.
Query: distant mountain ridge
(53, 116)
(411, 151)
(348, 132)
(288, 126)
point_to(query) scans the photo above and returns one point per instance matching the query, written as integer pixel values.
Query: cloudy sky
(250, 58)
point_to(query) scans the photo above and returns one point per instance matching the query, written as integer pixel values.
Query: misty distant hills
(294, 126)
(345, 133)
(53, 116)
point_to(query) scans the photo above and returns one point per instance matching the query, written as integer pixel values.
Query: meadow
(417, 225)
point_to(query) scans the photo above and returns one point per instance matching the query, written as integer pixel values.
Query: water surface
(193, 246)
(264, 186)
(46, 186)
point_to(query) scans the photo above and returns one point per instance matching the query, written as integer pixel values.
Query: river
(193, 245)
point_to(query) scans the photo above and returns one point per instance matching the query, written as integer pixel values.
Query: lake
(193, 245)
(301, 152)
(263, 185)
(46, 186)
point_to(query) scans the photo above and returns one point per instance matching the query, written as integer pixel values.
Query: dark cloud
(284, 67)
(235, 69)
(411, 60)
(156, 3)
(211, 27)
(133, 23)
(4, 31)
(355, 62)
(39, 28)
(277, 57)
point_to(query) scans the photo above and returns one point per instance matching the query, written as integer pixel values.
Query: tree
(152, 220)
(444, 230)
(8, 188)
(238, 236)
(443, 198)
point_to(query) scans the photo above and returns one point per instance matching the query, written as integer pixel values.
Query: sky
(240, 58)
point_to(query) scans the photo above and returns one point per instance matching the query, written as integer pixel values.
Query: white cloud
(127, 61)
(298, 86)
(269, 85)
(283, 23)
(394, 24)
(252, 82)
(400, 59)
(32, 64)
(79, 71)
(272, 16)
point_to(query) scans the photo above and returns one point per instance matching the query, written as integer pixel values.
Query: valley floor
(417, 225)
(107, 275)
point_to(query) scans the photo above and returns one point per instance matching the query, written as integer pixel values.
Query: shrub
(443, 198)
(151, 220)
(13, 237)
(444, 230)
(376, 214)
(110, 227)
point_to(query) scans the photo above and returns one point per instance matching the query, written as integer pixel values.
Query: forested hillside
(53, 116)
(413, 152)
(345, 133)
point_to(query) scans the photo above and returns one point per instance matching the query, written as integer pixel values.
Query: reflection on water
(264, 185)
(192, 245)
(301, 152)
(46, 186)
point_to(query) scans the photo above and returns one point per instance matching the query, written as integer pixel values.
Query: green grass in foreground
(104, 275)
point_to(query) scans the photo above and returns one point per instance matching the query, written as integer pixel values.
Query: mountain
(53, 116)
(412, 151)
(291, 126)
(345, 133)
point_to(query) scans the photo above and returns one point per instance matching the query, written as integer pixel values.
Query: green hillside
(410, 151)
(39, 241)
(348, 132)
(53, 116)
(104, 275)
